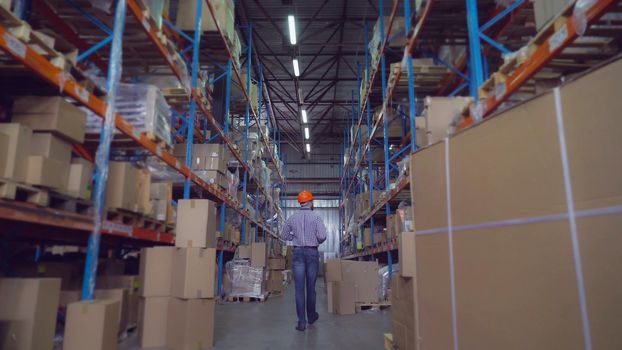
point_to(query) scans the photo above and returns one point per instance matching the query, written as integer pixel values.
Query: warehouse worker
(306, 229)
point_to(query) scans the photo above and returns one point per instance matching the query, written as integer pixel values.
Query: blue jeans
(306, 264)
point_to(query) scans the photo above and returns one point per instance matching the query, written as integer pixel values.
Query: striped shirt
(305, 228)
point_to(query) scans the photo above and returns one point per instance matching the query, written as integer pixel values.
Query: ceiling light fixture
(296, 69)
(292, 29)
(308, 147)
(304, 116)
(306, 133)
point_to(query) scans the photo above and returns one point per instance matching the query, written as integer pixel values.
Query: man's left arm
(321, 231)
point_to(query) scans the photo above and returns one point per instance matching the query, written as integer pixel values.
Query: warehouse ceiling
(330, 50)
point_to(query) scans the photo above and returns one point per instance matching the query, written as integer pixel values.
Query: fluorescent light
(304, 116)
(309, 147)
(292, 29)
(296, 69)
(306, 133)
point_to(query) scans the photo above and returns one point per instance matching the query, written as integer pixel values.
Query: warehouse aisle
(270, 326)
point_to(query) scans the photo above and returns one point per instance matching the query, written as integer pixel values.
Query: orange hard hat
(304, 196)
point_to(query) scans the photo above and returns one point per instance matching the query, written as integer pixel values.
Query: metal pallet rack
(23, 52)
(546, 46)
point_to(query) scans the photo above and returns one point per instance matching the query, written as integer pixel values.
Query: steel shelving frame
(24, 53)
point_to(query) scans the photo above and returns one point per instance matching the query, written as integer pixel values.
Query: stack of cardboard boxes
(28, 309)
(246, 274)
(208, 162)
(128, 188)
(43, 158)
(350, 282)
(177, 284)
(160, 197)
(276, 283)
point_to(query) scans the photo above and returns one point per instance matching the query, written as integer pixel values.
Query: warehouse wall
(328, 209)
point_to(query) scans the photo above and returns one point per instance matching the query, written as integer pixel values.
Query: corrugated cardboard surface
(28, 312)
(196, 223)
(16, 150)
(51, 146)
(92, 325)
(330, 294)
(244, 251)
(333, 270)
(344, 294)
(259, 254)
(440, 112)
(190, 324)
(153, 321)
(47, 172)
(79, 179)
(121, 187)
(407, 255)
(120, 295)
(193, 273)
(276, 263)
(52, 114)
(156, 268)
(403, 312)
(364, 275)
(516, 285)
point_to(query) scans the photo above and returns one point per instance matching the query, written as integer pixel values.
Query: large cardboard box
(441, 111)
(407, 255)
(156, 271)
(47, 172)
(259, 254)
(28, 312)
(364, 275)
(276, 263)
(193, 273)
(522, 277)
(333, 270)
(197, 223)
(275, 286)
(16, 151)
(244, 251)
(51, 114)
(50, 146)
(153, 321)
(121, 295)
(223, 11)
(190, 324)
(403, 312)
(121, 188)
(92, 325)
(143, 191)
(205, 156)
(330, 294)
(344, 294)
(80, 178)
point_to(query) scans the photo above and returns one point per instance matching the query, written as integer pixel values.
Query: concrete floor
(270, 325)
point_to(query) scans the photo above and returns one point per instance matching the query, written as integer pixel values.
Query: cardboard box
(51, 114)
(50, 146)
(80, 178)
(156, 270)
(121, 296)
(47, 172)
(259, 254)
(330, 294)
(92, 325)
(161, 190)
(440, 113)
(403, 312)
(193, 273)
(277, 275)
(205, 156)
(275, 286)
(16, 151)
(197, 223)
(129, 282)
(333, 270)
(244, 251)
(143, 191)
(276, 263)
(121, 191)
(190, 324)
(344, 293)
(153, 321)
(506, 277)
(223, 11)
(406, 251)
(364, 275)
(367, 237)
(28, 312)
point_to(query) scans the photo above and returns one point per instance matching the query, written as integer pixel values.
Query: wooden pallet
(388, 341)
(65, 202)
(11, 189)
(262, 298)
(372, 306)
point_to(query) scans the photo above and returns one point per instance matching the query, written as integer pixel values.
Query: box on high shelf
(51, 114)
(519, 270)
(205, 156)
(197, 223)
(440, 113)
(16, 140)
(224, 11)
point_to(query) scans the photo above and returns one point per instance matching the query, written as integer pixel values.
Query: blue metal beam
(475, 49)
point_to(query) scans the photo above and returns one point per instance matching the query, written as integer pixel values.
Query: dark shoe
(300, 327)
(313, 319)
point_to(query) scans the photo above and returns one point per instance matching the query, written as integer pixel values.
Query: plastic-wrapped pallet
(244, 280)
(144, 107)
